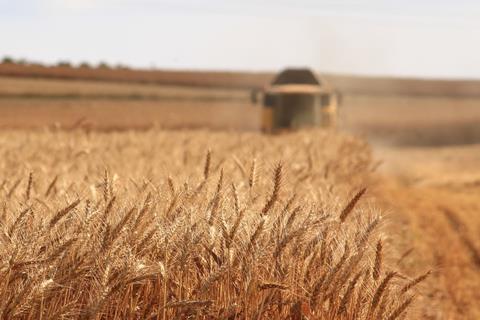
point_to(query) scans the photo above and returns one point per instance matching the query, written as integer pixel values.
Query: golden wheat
(125, 226)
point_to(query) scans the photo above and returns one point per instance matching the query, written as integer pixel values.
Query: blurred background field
(392, 111)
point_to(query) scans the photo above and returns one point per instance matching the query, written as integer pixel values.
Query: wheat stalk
(377, 268)
(415, 282)
(351, 204)
(277, 180)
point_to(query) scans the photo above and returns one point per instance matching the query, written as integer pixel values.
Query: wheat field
(205, 224)
(194, 225)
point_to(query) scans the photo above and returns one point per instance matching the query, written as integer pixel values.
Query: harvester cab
(295, 99)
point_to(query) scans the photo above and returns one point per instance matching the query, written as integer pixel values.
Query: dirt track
(431, 199)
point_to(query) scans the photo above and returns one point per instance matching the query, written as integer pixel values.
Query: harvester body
(297, 99)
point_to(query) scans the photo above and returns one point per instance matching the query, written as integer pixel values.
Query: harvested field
(37, 103)
(162, 77)
(31, 88)
(432, 195)
(124, 114)
(413, 120)
(380, 118)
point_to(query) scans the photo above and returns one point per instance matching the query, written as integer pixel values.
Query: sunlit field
(194, 224)
(133, 201)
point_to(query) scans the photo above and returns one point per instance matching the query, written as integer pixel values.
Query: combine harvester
(297, 99)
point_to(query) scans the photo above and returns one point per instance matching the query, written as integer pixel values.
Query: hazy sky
(424, 38)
